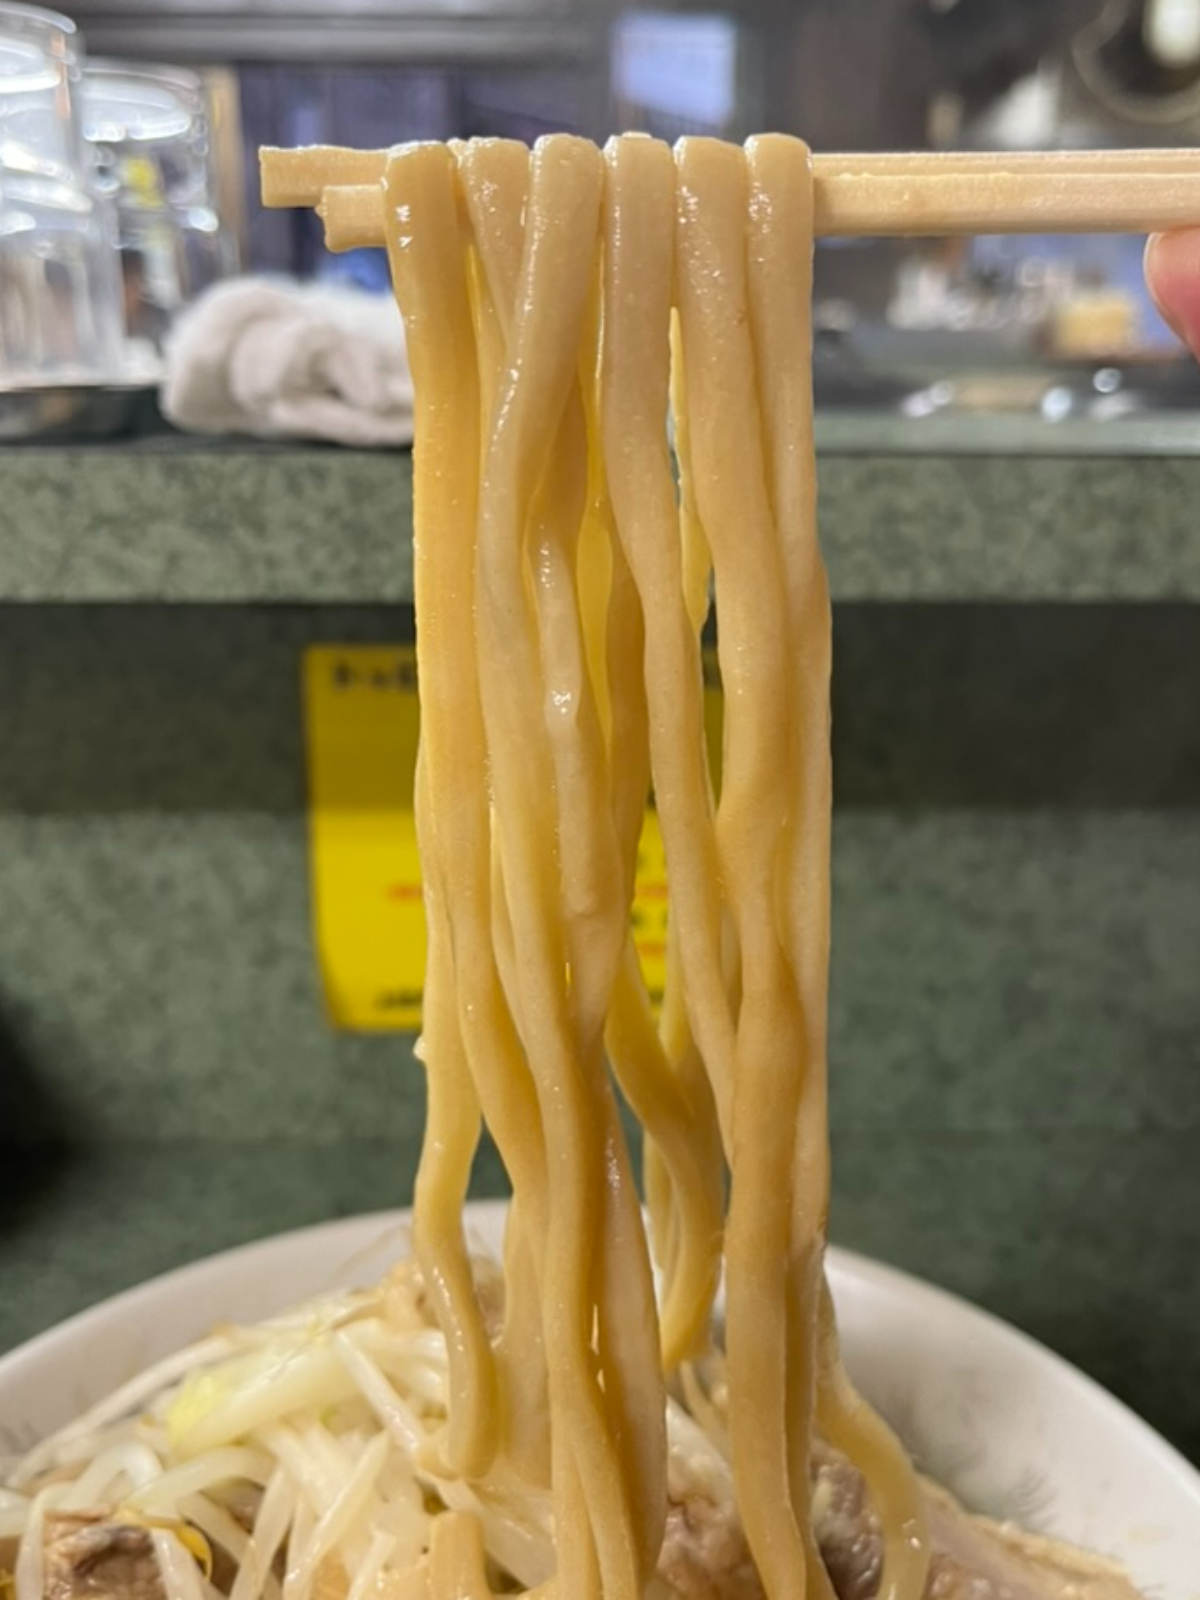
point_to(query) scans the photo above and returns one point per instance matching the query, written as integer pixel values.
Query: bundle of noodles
(566, 1423)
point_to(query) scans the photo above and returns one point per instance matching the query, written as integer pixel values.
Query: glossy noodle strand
(568, 311)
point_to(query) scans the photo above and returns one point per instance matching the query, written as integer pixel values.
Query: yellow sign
(361, 726)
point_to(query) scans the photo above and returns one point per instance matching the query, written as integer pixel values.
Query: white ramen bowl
(1009, 1427)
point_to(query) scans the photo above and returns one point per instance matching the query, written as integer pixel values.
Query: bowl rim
(367, 1232)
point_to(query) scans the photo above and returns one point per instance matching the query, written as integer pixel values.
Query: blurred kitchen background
(1009, 452)
(161, 159)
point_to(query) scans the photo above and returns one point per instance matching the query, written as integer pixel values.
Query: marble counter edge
(187, 522)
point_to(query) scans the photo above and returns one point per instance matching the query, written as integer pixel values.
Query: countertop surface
(177, 520)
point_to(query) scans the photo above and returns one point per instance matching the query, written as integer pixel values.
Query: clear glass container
(60, 303)
(148, 131)
(156, 116)
(39, 75)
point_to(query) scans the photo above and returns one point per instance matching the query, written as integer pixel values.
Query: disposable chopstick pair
(1094, 191)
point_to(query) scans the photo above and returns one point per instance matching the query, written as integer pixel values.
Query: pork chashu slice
(88, 1557)
(705, 1555)
(980, 1560)
(973, 1559)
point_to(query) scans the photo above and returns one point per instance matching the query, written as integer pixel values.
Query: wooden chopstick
(353, 217)
(299, 177)
(939, 163)
(1012, 200)
(1109, 191)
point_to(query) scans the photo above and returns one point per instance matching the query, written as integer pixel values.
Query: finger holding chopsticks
(1173, 278)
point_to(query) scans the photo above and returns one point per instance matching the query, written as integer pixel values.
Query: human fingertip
(1154, 271)
(1172, 271)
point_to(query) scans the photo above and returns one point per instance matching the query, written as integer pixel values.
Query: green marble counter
(180, 521)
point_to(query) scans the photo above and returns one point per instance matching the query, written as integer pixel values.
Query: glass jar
(148, 131)
(39, 76)
(60, 303)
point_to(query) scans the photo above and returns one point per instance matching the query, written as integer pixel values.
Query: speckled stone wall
(1016, 986)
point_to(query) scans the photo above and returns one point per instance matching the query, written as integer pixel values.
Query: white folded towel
(285, 360)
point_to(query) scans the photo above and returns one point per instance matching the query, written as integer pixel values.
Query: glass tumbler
(60, 302)
(39, 75)
(149, 135)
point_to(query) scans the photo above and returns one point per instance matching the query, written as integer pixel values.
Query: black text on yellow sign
(361, 728)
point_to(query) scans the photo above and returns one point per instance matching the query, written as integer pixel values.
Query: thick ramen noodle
(611, 354)
(538, 299)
